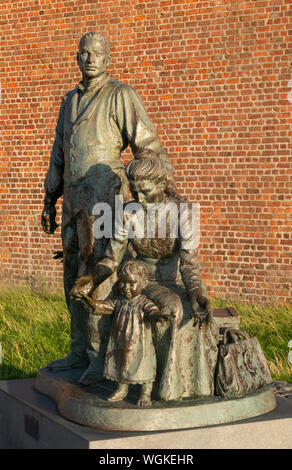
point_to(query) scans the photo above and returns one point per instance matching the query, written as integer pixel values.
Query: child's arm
(151, 310)
(99, 307)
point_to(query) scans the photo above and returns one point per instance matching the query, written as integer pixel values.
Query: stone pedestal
(30, 420)
(89, 406)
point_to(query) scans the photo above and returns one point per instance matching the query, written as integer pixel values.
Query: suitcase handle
(229, 310)
(234, 334)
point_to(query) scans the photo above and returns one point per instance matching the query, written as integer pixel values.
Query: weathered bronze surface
(89, 406)
(140, 313)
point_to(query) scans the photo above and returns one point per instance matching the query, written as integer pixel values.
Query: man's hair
(151, 168)
(100, 37)
(133, 267)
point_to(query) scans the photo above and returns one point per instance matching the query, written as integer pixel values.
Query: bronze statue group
(139, 309)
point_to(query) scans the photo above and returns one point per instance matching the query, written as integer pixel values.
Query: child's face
(129, 286)
(147, 191)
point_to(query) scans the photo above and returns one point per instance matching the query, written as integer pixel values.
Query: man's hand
(206, 315)
(87, 300)
(48, 219)
(82, 287)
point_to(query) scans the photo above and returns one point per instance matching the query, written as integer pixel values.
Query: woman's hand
(206, 315)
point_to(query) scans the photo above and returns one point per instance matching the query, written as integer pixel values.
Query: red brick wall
(214, 77)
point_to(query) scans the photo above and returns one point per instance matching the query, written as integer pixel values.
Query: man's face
(147, 192)
(92, 58)
(129, 286)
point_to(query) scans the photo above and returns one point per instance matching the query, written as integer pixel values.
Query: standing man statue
(98, 120)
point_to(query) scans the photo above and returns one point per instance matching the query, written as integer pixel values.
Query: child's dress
(130, 356)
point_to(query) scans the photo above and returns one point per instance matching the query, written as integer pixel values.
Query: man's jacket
(86, 136)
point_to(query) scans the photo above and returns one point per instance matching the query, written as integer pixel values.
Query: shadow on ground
(12, 373)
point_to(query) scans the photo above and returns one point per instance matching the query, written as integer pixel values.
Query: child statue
(130, 356)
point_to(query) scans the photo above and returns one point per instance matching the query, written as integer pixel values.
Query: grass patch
(35, 329)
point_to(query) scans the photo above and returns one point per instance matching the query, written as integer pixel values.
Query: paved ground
(283, 389)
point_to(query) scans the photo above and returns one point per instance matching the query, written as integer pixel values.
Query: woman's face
(147, 192)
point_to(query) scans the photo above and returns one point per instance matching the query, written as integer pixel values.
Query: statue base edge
(88, 406)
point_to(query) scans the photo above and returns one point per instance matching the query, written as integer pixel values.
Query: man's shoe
(90, 377)
(69, 362)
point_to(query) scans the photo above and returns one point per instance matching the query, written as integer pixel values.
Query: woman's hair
(133, 267)
(151, 168)
(100, 37)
